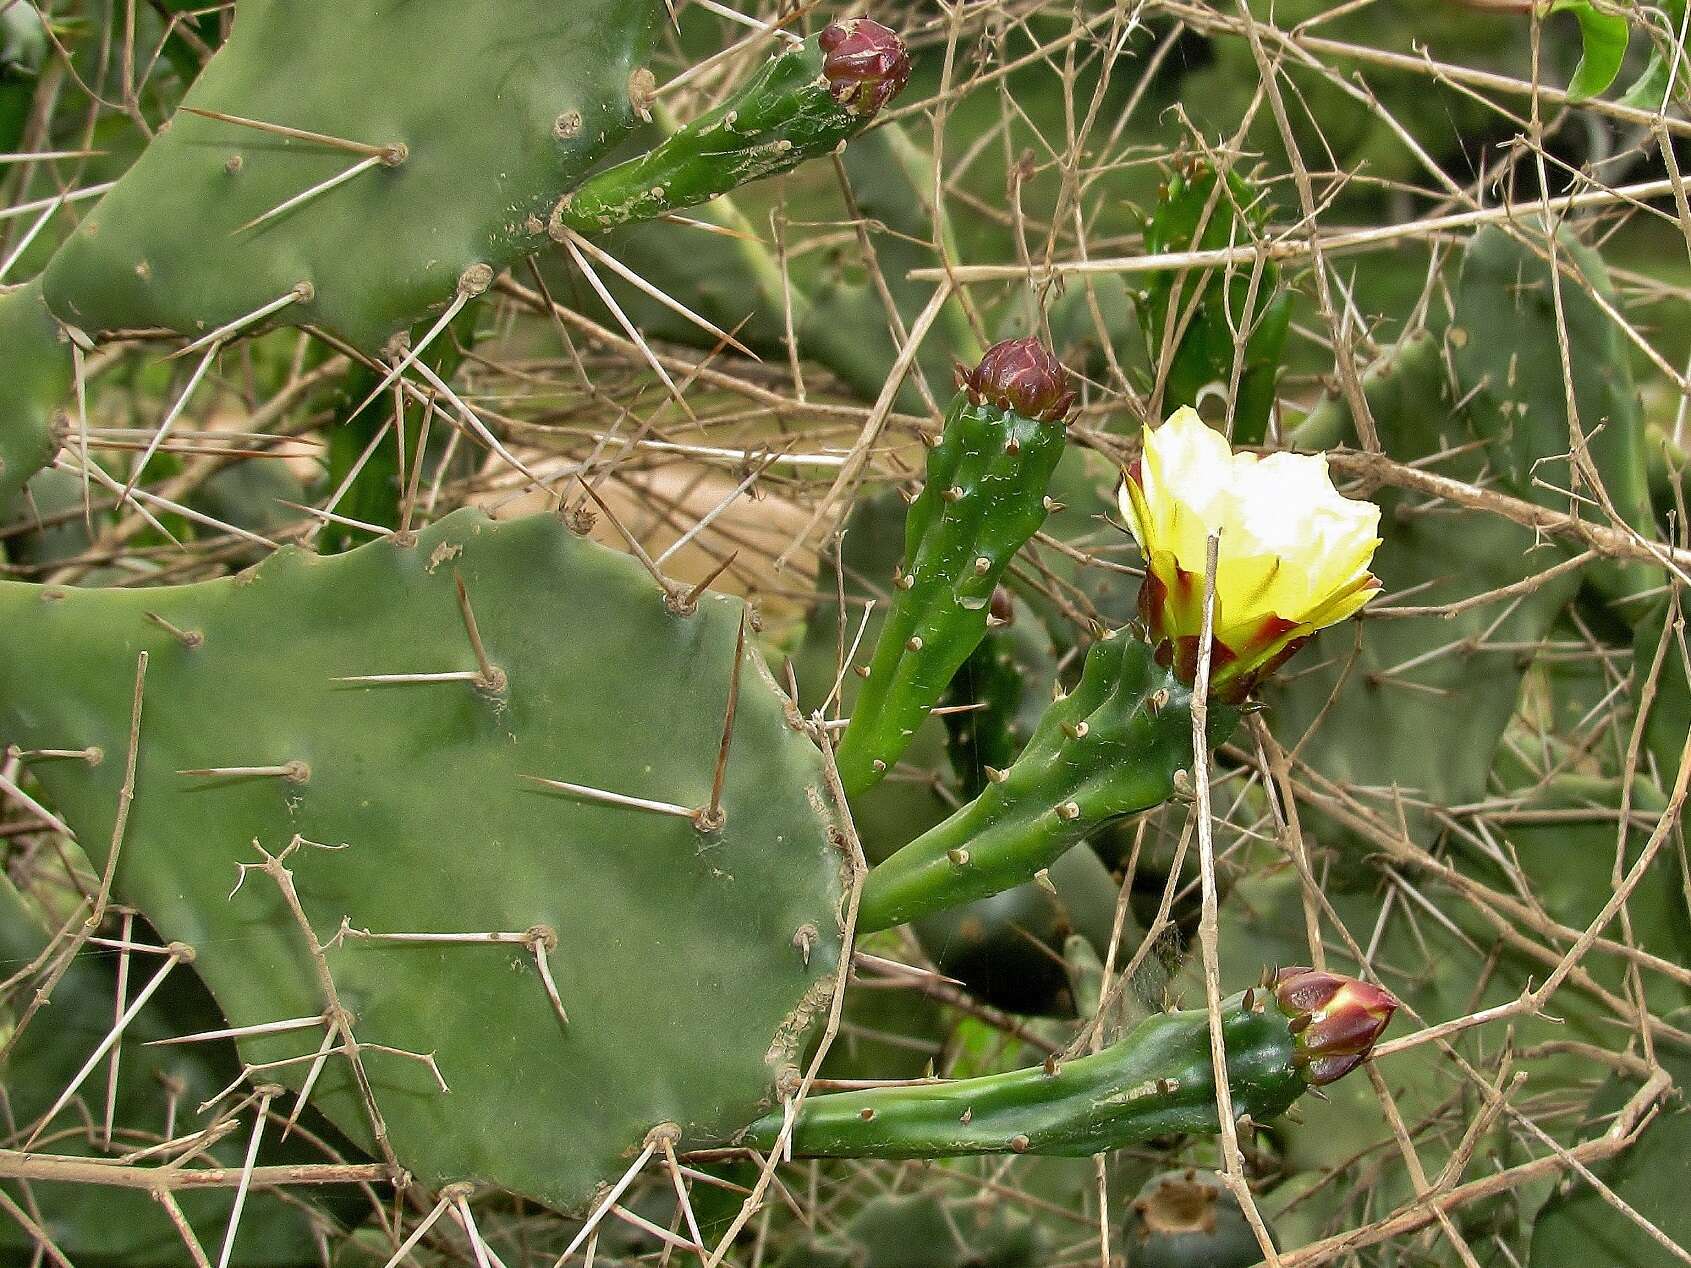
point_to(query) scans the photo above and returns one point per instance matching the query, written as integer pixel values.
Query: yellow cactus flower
(1293, 557)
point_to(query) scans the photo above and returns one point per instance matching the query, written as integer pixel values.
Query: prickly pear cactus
(330, 734)
(458, 169)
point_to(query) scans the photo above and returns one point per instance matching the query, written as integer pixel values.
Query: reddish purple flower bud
(864, 63)
(1020, 375)
(1336, 1020)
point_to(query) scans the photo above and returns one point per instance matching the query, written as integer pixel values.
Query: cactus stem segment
(1099, 752)
(981, 500)
(1157, 1080)
(806, 101)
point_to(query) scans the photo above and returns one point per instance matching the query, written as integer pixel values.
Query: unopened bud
(1020, 375)
(865, 64)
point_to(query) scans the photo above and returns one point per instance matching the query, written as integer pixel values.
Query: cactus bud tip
(1020, 375)
(865, 64)
(1336, 1020)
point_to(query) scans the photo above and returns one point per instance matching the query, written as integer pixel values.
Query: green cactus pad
(501, 107)
(1113, 746)
(706, 952)
(984, 496)
(37, 379)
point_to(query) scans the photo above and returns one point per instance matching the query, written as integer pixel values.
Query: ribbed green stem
(783, 116)
(984, 496)
(1112, 747)
(1156, 1081)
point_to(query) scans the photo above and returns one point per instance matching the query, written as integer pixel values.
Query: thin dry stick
(1233, 1167)
(125, 797)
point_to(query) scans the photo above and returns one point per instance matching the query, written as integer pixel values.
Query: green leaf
(1650, 90)
(1604, 36)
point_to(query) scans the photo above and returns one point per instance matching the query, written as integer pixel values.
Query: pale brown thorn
(173, 1210)
(93, 754)
(681, 1196)
(179, 953)
(325, 518)
(44, 1242)
(541, 941)
(468, 289)
(726, 231)
(609, 1200)
(80, 376)
(408, 505)
(128, 493)
(30, 804)
(188, 638)
(322, 187)
(897, 968)
(265, 1095)
(391, 154)
(378, 680)
(461, 1205)
(633, 543)
(237, 1032)
(294, 772)
(41, 156)
(611, 798)
(418, 1233)
(711, 818)
(657, 293)
(629, 328)
(492, 677)
(122, 995)
(320, 1060)
(710, 516)
(476, 425)
(301, 292)
(690, 600)
(656, 1230)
